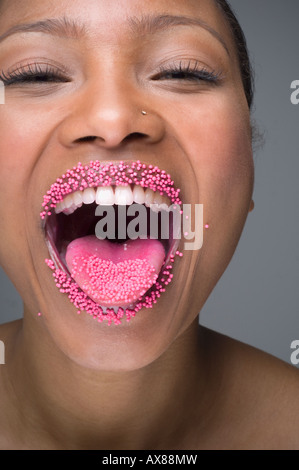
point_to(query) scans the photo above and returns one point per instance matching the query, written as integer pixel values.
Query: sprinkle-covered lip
(98, 174)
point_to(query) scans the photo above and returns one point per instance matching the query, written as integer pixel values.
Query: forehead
(100, 17)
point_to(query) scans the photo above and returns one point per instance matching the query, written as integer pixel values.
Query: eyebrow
(149, 24)
(56, 26)
(152, 24)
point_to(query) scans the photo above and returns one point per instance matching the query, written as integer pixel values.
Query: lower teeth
(106, 310)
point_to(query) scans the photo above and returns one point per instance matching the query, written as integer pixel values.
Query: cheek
(22, 137)
(225, 171)
(13, 163)
(19, 141)
(25, 132)
(224, 164)
(217, 139)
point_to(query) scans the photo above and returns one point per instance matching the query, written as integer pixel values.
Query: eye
(188, 72)
(33, 74)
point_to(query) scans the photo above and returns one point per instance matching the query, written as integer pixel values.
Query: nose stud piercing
(144, 113)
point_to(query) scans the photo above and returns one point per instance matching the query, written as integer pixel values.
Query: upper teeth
(108, 196)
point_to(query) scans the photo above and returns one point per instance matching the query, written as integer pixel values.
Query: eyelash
(189, 72)
(33, 73)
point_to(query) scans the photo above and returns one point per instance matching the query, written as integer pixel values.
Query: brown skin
(69, 382)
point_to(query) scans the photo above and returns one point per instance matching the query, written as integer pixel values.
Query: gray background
(257, 299)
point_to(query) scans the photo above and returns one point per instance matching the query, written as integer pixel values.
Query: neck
(76, 407)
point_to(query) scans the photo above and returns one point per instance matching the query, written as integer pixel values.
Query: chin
(116, 347)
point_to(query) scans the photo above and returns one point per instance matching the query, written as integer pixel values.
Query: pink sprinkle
(207, 226)
(83, 302)
(39, 314)
(97, 174)
(117, 284)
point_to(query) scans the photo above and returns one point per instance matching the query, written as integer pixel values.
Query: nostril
(89, 138)
(134, 136)
(128, 138)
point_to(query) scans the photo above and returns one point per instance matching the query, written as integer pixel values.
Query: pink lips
(97, 271)
(119, 174)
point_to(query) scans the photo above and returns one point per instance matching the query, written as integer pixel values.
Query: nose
(110, 115)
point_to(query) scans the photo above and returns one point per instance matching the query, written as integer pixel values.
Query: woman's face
(175, 60)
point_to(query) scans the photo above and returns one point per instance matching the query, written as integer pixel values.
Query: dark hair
(241, 45)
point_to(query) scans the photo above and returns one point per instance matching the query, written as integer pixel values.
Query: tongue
(114, 274)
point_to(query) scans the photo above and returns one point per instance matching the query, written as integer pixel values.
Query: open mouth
(110, 230)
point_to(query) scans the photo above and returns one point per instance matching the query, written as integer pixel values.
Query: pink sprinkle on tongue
(114, 274)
